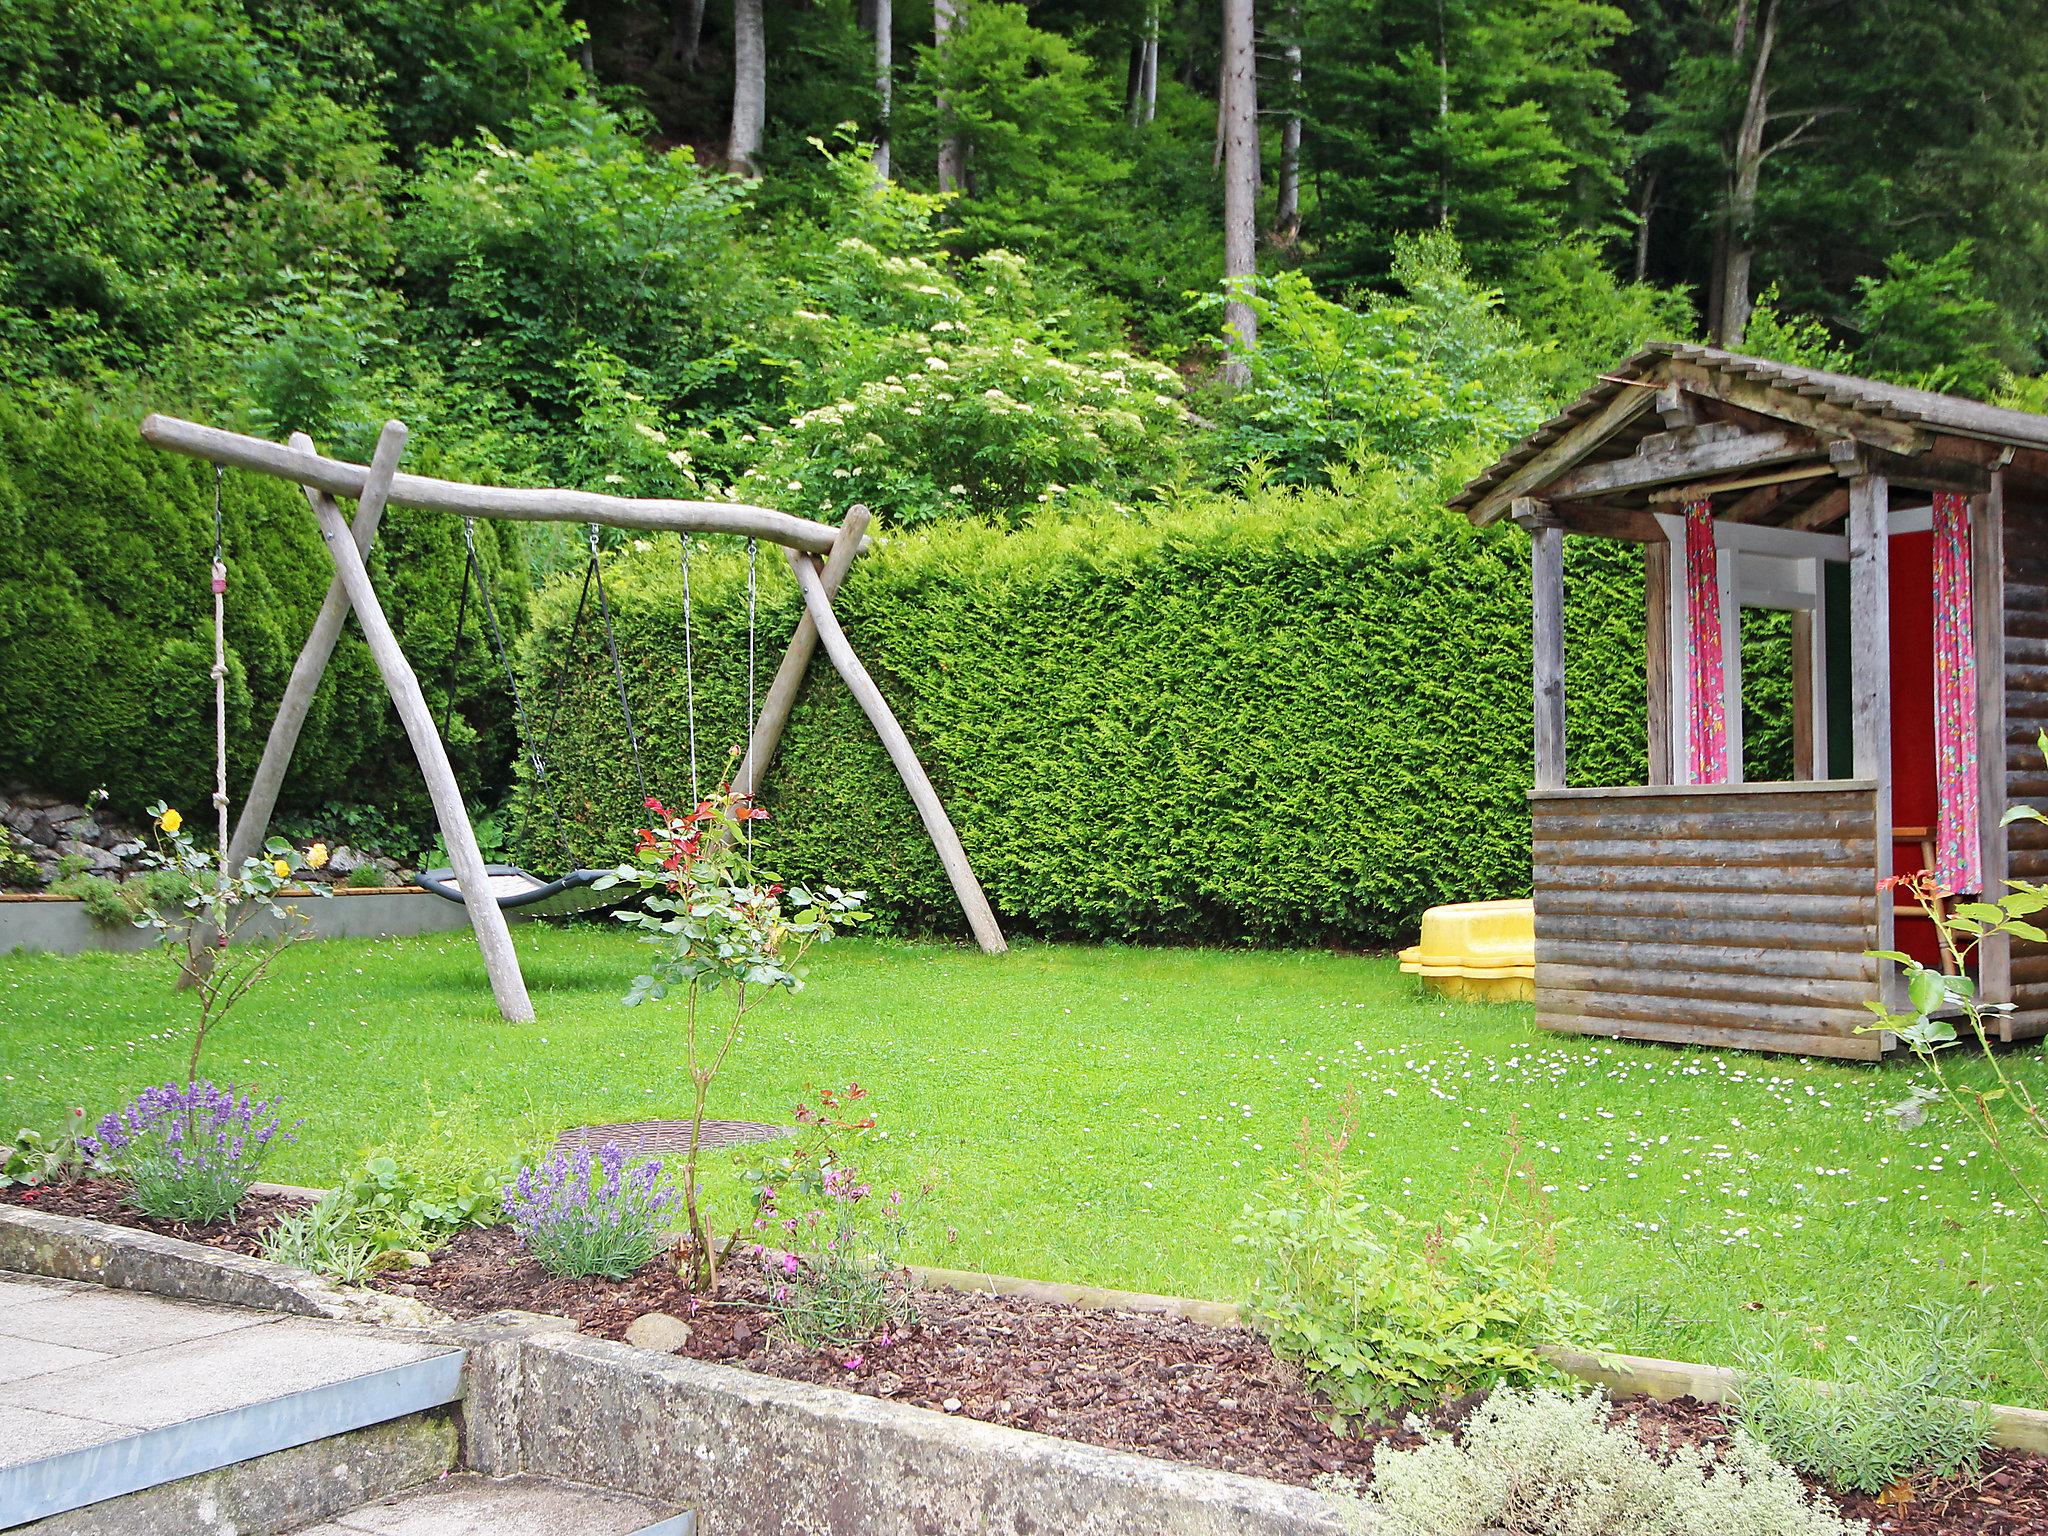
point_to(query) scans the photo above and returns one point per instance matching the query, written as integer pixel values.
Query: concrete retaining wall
(61, 926)
(758, 1456)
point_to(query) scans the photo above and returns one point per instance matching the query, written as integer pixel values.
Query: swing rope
(220, 681)
(752, 548)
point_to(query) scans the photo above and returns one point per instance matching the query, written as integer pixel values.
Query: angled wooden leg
(493, 936)
(253, 825)
(789, 677)
(936, 823)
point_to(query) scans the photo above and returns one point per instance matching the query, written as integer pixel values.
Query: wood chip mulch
(1161, 1386)
(106, 1200)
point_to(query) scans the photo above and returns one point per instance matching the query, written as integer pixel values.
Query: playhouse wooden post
(253, 825)
(1546, 561)
(936, 823)
(493, 936)
(789, 677)
(1870, 672)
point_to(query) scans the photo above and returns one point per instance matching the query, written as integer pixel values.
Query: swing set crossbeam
(338, 477)
(323, 479)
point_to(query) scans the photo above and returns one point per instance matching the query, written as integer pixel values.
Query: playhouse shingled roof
(1870, 397)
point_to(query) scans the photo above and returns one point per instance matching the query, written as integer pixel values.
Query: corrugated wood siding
(2026, 715)
(1717, 917)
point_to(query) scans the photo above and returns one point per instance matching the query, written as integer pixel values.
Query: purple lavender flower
(189, 1151)
(580, 1214)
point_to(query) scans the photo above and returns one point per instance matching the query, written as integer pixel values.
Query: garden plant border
(546, 1399)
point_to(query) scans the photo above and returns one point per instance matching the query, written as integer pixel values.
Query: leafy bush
(1415, 380)
(1543, 1463)
(583, 1213)
(1300, 716)
(1903, 1406)
(189, 1151)
(31, 1159)
(385, 1213)
(118, 903)
(834, 1283)
(1383, 1312)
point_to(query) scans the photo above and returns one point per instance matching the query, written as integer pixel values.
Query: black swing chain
(689, 671)
(604, 609)
(537, 752)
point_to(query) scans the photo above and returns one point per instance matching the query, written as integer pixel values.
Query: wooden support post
(253, 825)
(936, 823)
(1870, 674)
(1987, 634)
(1657, 657)
(1804, 673)
(789, 677)
(493, 936)
(1546, 558)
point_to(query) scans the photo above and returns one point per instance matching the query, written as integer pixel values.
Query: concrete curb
(126, 1258)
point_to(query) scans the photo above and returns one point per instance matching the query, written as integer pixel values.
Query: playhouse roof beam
(337, 477)
(1566, 451)
(1788, 405)
(1687, 454)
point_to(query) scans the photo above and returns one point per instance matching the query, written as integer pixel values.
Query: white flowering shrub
(1547, 1463)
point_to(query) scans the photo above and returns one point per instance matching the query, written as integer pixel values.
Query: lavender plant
(583, 1214)
(842, 1289)
(189, 1151)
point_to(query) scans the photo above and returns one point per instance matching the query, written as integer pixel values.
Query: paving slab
(23, 1358)
(30, 1434)
(121, 1322)
(232, 1367)
(24, 1290)
(513, 1506)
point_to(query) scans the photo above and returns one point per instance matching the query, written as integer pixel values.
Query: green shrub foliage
(106, 624)
(1300, 716)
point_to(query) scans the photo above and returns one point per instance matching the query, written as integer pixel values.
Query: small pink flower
(854, 1362)
(789, 1264)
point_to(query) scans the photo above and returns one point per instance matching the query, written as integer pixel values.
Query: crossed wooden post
(379, 483)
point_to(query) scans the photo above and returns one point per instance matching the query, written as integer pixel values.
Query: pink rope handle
(1706, 687)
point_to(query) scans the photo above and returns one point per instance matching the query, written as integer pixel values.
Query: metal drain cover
(668, 1138)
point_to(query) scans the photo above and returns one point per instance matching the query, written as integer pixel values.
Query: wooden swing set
(820, 556)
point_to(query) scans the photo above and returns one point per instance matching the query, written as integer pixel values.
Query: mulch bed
(1158, 1385)
(106, 1200)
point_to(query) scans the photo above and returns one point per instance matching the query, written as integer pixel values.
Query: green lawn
(1101, 1114)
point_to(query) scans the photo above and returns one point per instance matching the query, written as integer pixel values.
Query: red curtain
(1958, 862)
(1706, 690)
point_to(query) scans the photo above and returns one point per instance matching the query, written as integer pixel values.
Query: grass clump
(1900, 1406)
(1545, 1463)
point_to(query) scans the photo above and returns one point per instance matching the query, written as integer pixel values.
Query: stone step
(513, 1506)
(104, 1394)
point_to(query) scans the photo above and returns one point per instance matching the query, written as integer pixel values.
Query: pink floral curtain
(1706, 692)
(1958, 865)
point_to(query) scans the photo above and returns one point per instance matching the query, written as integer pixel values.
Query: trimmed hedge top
(1301, 719)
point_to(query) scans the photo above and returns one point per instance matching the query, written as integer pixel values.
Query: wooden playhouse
(1907, 534)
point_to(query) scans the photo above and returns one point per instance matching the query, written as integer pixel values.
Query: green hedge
(106, 624)
(1291, 721)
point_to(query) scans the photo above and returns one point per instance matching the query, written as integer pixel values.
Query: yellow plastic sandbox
(1478, 951)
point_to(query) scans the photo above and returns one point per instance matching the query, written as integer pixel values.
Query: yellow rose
(316, 856)
(281, 869)
(170, 821)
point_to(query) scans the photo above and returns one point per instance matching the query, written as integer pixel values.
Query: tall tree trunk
(1148, 66)
(952, 151)
(1644, 208)
(1443, 114)
(686, 33)
(884, 20)
(1240, 103)
(1287, 209)
(749, 86)
(1745, 173)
